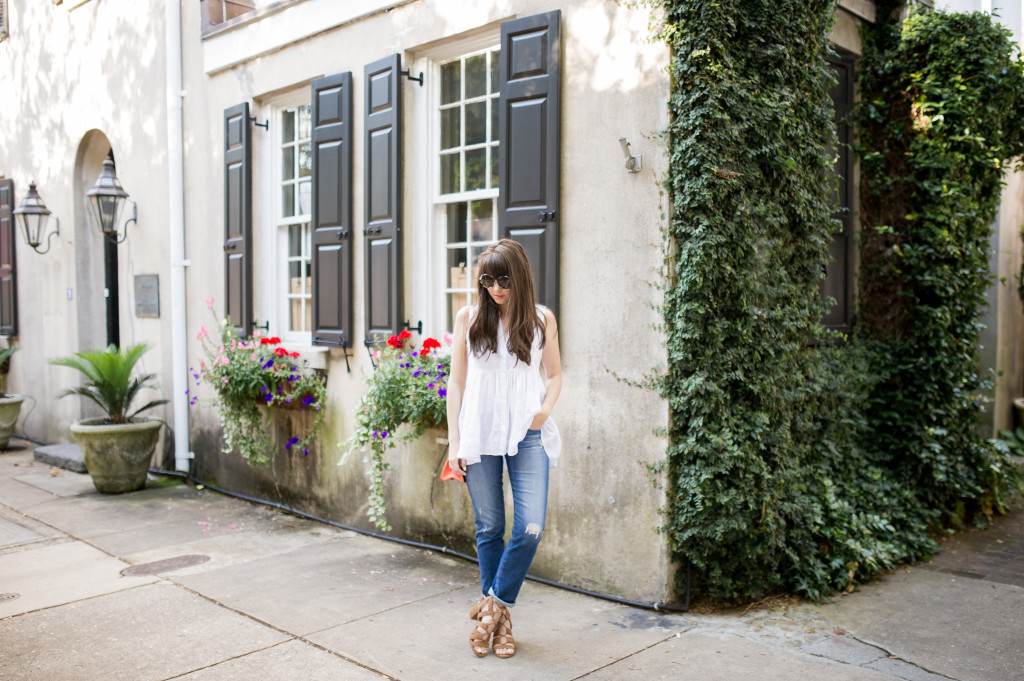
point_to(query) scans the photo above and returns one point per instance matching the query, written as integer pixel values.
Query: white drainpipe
(176, 213)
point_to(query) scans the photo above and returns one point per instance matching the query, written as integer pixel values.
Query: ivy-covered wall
(799, 460)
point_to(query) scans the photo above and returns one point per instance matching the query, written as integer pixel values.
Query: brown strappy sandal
(503, 643)
(486, 614)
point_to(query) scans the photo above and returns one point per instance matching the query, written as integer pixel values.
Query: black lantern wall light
(106, 203)
(32, 216)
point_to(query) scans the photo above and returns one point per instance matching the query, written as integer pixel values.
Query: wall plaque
(147, 295)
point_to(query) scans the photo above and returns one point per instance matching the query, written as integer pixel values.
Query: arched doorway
(96, 271)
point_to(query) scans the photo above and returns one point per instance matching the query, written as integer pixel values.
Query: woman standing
(498, 417)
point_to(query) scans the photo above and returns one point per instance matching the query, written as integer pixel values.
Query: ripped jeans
(503, 568)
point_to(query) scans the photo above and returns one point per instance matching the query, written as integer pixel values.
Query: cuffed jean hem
(490, 592)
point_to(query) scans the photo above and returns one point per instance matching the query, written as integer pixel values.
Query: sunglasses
(504, 281)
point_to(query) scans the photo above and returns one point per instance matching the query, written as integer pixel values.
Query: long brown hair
(507, 258)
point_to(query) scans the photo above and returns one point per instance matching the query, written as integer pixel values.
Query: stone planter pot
(117, 456)
(10, 407)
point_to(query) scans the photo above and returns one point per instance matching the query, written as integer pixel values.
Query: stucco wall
(603, 508)
(74, 82)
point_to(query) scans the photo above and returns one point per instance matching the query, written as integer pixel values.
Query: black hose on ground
(658, 607)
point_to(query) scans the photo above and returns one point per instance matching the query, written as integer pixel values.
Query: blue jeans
(503, 568)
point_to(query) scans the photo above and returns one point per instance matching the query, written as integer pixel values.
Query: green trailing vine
(943, 96)
(776, 474)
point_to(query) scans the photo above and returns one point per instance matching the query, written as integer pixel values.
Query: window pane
(450, 173)
(457, 273)
(476, 123)
(288, 200)
(476, 169)
(483, 225)
(495, 65)
(476, 76)
(288, 126)
(456, 216)
(305, 197)
(288, 163)
(451, 120)
(305, 160)
(451, 82)
(494, 151)
(305, 122)
(294, 246)
(493, 104)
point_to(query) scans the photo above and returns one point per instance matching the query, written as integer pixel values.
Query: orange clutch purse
(448, 473)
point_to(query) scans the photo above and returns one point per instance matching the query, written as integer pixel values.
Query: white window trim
(429, 264)
(273, 269)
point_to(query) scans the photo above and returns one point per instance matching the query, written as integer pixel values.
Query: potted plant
(10, 405)
(253, 377)
(407, 387)
(117, 447)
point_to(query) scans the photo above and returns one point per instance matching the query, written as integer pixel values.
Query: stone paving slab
(21, 496)
(960, 628)
(904, 670)
(40, 575)
(709, 656)
(66, 456)
(559, 636)
(290, 661)
(146, 634)
(846, 650)
(58, 482)
(323, 585)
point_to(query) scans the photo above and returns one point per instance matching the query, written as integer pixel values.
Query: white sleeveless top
(501, 398)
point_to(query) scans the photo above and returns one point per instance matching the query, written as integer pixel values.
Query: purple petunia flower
(415, 354)
(440, 367)
(383, 434)
(306, 401)
(430, 386)
(270, 398)
(291, 442)
(416, 373)
(442, 392)
(287, 400)
(305, 452)
(269, 363)
(186, 391)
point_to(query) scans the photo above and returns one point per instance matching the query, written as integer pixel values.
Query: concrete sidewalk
(247, 592)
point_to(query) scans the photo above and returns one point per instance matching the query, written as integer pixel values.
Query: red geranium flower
(280, 352)
(395, 342)
(404, 334)
(429, 344)
(293, 354)
(265, 341)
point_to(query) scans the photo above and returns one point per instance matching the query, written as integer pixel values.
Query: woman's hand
(539, 419)
(454, 461)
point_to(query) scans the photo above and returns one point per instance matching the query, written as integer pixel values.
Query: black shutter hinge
(265, 326)
(546, 216)
(373, 229)
(418, 327)
(418, 79)
(265, 124)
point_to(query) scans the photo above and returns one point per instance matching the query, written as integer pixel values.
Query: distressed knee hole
(533, 529)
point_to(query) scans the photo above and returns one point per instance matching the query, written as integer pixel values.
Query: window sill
(315, 355)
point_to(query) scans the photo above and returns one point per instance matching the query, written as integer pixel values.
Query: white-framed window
(459, 154)
(286, 264)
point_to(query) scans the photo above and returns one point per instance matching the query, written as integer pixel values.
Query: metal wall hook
(265, 326)
(418, 79)
(265, 124)
(418, 328)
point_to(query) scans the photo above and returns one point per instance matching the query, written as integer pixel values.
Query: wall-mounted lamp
(31, 217)
(633, 163)
(106, 203)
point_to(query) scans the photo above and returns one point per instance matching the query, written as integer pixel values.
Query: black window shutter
(238, 218)
(383, 169)
(838, 281)
(8, 269)
(332, 210)
(528, 134)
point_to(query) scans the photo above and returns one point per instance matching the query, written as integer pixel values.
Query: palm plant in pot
(117, 447)
(10, 405)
